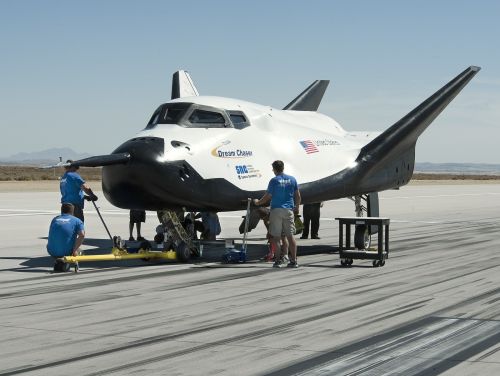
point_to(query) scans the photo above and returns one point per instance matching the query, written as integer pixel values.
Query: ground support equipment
(118, 253)
(348, 254)
(233, 255)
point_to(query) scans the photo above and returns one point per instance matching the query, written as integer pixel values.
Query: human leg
(139, 236)
(131, 229)
(78, 212)
(315, 221)
(305, 231)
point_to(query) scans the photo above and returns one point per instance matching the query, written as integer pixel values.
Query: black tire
(183, 252)
(362, 237)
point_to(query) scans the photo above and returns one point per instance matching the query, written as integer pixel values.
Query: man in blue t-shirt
(72, 187)
(284, 194)
(66, 234)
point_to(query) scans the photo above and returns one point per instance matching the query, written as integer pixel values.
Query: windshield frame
(188, 109)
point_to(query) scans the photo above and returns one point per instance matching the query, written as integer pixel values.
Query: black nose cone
(132, 185)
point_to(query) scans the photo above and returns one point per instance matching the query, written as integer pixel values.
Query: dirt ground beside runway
(53, 185)
(38, 186)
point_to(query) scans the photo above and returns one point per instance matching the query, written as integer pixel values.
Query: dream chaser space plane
(211, 153)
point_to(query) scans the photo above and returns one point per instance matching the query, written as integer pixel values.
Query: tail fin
(182, 85)
(404, 134)
(309, 99)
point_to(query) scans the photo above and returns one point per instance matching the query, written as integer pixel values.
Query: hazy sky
(88, 74)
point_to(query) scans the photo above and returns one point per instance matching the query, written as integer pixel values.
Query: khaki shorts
(281, 222)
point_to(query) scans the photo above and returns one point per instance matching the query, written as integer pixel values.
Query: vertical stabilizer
(182, 85)
(309, 99)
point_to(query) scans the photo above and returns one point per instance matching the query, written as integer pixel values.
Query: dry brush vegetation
(27, 173)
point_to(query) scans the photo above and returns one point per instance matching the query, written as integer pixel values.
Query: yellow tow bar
(118, 254)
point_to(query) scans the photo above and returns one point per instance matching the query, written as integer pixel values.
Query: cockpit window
(170, 113)
(193, 115)
(207, 117)
(238, 119)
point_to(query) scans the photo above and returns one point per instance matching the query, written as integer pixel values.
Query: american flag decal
(309, 146)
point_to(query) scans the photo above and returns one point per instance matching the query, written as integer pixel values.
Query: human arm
(78, 242)
(296, 199)
(88, 191)
(263, 200)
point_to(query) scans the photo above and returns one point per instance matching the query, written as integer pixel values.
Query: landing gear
(362, 237)
(365, 204)
(176, 236)
(183, 252)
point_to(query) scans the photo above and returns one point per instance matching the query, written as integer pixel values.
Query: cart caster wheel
(382, 263)
(343, 262)
(349, 262)
(375, 263)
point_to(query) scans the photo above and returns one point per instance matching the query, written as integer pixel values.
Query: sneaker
(292, 264)
(140, 239)
(58, 267)
(61, 267)
(277, 264)
(285, 259)
(131, 239)
(315, 237)
(303, 237)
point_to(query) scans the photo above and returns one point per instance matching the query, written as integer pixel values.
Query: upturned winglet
(404, 134)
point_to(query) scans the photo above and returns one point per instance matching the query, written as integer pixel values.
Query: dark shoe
(140, 239)
(277, 264)
(131, 239)
(292, 264)
(61, 267)
(315, 237)
(303, 237)
(58, 267)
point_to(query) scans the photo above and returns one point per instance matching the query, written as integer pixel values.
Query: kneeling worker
(66, 234)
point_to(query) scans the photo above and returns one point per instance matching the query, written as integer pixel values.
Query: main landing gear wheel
(362, 237)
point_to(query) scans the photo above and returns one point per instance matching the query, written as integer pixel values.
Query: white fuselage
(311, 145)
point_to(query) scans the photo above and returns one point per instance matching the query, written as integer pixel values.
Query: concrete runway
(434, 308)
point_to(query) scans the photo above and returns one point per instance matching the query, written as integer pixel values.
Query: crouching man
(66, 234)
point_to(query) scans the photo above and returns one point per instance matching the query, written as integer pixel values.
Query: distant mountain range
(51, 156)
(458, 168)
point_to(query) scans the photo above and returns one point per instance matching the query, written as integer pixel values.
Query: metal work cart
(371, 225)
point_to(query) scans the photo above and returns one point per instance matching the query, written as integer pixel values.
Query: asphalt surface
(434, 308)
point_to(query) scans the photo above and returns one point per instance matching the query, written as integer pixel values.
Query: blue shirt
(62, 235)
(282, 190)
(71, 188)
